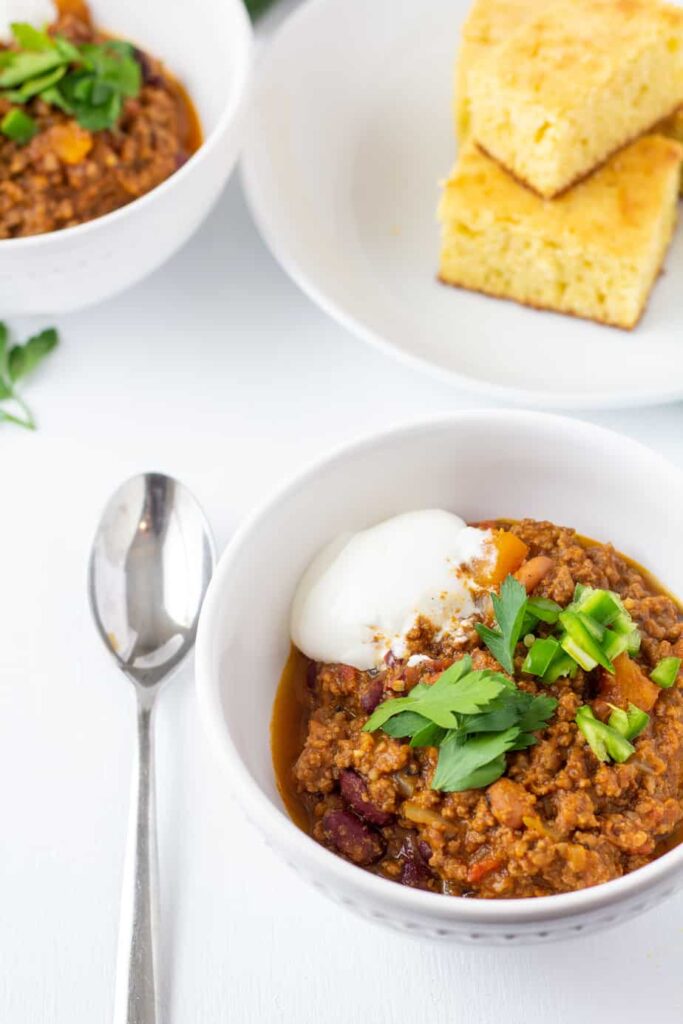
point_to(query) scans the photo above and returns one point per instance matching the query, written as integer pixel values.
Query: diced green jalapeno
(540, 656)
(561, 665)
(605, 742)
(666, 672)
(581, 644)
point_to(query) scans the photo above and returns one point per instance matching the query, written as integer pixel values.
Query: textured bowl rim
(243, 61)
(274, 822)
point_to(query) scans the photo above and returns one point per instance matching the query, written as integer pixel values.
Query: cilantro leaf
(31, 38)
(89, 81)
(472, 717)
(483, 776)
(24, 358)
(405, 723)
(457, 691)
(430, 736)
(458, 760)
(539, 710)
(509, 608)
(16, 362)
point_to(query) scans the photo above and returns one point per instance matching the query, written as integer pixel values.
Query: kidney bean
(425, 850)
(372, 695)
(149, 76)
(352, 838)
(415, 872)
(355, 792)
(311, 675)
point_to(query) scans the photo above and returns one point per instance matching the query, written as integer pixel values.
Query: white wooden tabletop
(218, 370)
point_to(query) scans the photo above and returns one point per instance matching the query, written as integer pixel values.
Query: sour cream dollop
(38, 13)
(363, 593)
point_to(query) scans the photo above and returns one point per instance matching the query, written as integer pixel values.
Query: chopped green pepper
(18, 126)
(605, 742)
(629, 723)
(666, 672)
(540, 656)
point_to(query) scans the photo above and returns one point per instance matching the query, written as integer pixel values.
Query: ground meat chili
(558, 820)
(66, 175)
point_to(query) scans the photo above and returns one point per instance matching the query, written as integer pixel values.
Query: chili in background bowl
(479, 465)
(206, 47)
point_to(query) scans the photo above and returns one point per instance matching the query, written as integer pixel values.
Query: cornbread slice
(575, 83)
(488, 24)
(672, 127)
(594, 252)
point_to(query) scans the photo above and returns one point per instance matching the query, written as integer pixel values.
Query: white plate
(351, 130)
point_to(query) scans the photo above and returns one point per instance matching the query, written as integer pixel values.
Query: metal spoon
(150, 565)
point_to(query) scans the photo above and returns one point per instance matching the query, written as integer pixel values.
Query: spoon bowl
(150, 566)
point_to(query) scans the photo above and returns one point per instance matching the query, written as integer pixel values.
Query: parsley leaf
(509, 608)
(473, 717)
(15, 363)
(89, 81)
(458, 690)
(458, 761)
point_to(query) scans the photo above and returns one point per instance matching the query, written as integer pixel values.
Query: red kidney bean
(352, 838)
(149, 76)
(415, 872)
(355, 792)
(311, 675)
(425, 850)
(372, 695)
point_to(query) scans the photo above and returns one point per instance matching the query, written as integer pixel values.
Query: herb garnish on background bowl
(89, 81)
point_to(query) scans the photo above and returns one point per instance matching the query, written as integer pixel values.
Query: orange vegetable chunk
(628, 685)
(510, 553)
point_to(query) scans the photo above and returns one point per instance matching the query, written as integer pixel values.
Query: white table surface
(218, 370)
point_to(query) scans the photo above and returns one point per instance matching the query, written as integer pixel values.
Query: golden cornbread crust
(595, 252)
(574, 84)
(527, 304)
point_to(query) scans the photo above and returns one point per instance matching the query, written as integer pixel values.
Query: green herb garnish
(18, 126)
(473, 717)
(90, 81)
(16, 362)
(666, 672)
(606, 742)
(509, 609)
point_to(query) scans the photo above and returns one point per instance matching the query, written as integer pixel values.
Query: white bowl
(350, 131)
(479, 464)
(207, 46)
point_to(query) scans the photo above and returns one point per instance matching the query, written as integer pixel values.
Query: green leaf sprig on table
(473, 717)
(16, 362)
(258, 7)
(89, 81)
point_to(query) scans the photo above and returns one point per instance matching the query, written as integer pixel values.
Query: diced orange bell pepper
(510, 553)
(628, 685)
(70, 142)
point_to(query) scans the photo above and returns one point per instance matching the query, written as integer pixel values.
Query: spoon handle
(136, 1001)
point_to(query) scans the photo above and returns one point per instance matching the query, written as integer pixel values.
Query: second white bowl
(207, 46)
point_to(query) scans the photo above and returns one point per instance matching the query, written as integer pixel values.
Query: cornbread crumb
(575, 83)
(594, 252)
